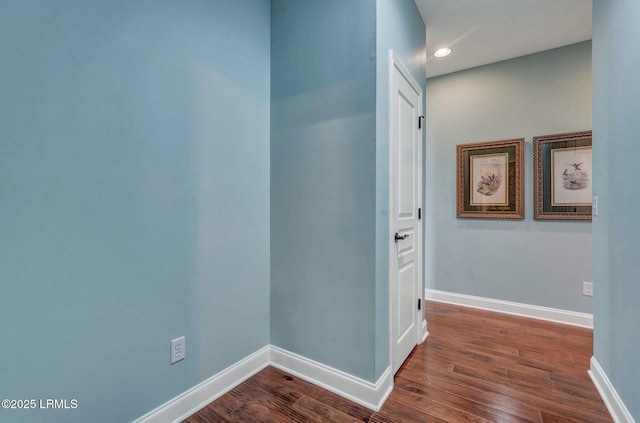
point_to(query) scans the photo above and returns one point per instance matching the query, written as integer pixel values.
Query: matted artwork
(563, 174)
(490, 179)
(487, 177)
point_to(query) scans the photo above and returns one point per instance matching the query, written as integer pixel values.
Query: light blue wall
(134, 199)
(323, 167)
(616, 126)
(533, 262)
(400, 28)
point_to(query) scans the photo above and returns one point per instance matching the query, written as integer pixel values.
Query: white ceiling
(488, 31)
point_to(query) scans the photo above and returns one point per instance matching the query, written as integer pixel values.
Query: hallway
(476, 366)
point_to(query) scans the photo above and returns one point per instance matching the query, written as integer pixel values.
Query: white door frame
(396, 63)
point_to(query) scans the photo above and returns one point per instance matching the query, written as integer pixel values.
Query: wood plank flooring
(476, 366)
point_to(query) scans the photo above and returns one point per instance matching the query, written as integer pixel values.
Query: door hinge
(420, 118)
(420, 213)
(419, 303)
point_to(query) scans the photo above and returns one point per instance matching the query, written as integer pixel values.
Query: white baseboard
(367, 394)
(535, 312)
(614, 404)
(187, 403)
(423, 331)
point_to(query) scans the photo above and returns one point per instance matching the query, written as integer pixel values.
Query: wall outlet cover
(178, 350)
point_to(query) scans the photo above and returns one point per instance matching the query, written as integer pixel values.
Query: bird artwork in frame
(563, 173)
(571, 176)
(490, 180)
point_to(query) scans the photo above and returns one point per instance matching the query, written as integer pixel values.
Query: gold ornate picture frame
(563, 175)
(490, 179)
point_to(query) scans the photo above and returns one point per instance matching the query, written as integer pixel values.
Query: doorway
(405, 212)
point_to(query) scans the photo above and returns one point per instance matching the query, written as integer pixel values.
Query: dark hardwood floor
(476, 366)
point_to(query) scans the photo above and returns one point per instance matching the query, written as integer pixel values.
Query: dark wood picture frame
(562, 175)
(490, 179)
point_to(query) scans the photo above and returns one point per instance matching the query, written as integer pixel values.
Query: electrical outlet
(587, 289)
(177, 350)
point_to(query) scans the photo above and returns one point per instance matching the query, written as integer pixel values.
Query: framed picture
(562, 174)
(491, 180)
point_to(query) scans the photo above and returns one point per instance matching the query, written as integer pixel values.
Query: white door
(406, 224)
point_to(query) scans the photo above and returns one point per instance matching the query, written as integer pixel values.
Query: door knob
(398, 237)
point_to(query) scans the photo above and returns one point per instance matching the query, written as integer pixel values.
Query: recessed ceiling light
(442, 52)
